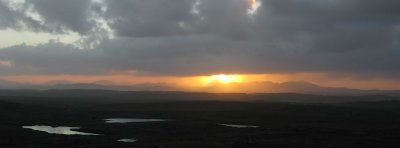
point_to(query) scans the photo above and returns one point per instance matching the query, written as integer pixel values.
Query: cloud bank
(199, 37)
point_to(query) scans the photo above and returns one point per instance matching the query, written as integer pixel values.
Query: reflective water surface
(239, 126)
(132, 120)
(127, 140)
(64, 130)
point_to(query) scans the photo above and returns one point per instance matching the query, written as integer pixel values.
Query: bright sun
(225, 79)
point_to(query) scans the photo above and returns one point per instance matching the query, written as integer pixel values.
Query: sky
(335, 43)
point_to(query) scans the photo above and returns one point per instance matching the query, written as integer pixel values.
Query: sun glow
(254, 5)
(225, 79)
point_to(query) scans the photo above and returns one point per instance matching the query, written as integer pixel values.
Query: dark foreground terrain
(285, 120)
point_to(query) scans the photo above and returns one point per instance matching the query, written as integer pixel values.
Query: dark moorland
(285, 120)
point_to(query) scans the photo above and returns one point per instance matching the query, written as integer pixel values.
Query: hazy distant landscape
(266, 87)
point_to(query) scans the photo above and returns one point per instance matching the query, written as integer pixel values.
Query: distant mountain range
(310, 88)
(297, 87)
(99, 85)
(254, 87)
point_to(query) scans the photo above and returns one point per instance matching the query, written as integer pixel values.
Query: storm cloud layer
(197, 37)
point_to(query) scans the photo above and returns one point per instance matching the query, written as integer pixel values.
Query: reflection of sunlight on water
(58, 130)
(239, 126)
(132, 120)
(127, 140)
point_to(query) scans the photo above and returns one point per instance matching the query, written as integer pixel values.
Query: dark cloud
(51, 58)
(336, 25)
(15, 19)
(62, 15)
(137, 18)
(8, 18)
(190, 37)
(199, 55)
